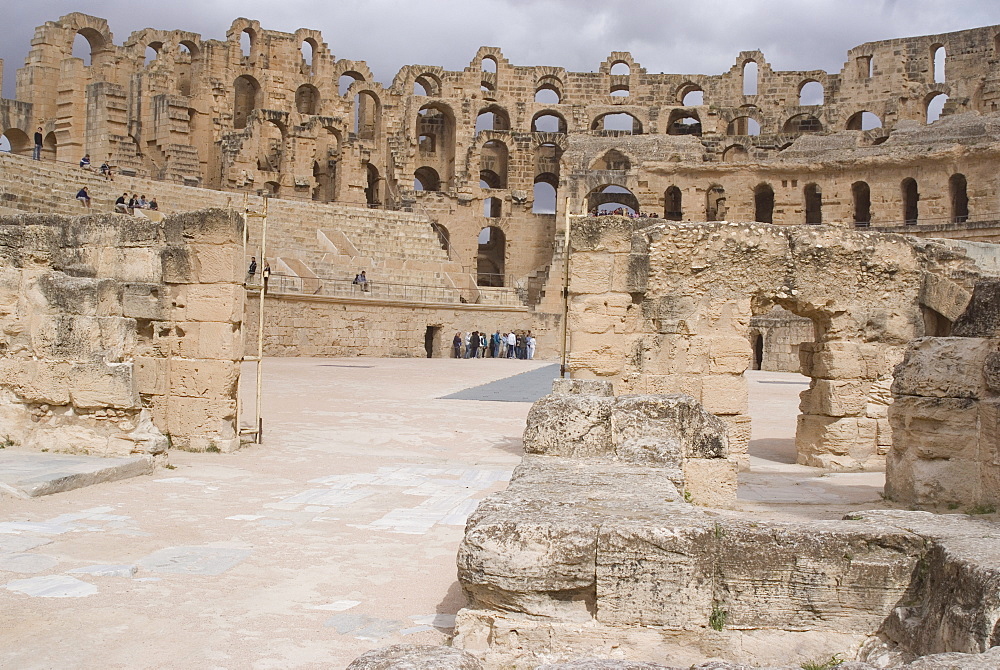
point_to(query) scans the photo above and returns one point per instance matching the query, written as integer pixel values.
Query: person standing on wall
(252, 270)
(37, 154)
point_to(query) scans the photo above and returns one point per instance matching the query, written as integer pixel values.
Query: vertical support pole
(565, 290)
(259, 423)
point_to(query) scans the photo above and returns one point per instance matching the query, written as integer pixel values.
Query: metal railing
(972, 217)
(286, 284)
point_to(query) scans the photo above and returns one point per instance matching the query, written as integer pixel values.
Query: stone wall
(667, 307)
(120, 334)
(775, 339)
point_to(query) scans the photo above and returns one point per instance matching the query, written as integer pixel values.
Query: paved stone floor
(25, 474)
(336, 536)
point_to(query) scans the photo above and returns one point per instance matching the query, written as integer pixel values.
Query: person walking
(37, 153)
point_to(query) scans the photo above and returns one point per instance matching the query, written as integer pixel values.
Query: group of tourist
(126, 204)
(621, 211)
(513, 344)
(106, 170)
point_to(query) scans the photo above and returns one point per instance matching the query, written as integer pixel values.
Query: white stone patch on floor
(244, 517)
(105, 570)
(194, 560)
(338, 605)
(67, 523)
(52, 586)
(16, 544)
(28, 564)
(435, 620)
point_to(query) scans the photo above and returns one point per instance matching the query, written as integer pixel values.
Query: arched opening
(547, 160)
(547, 94)
(938, 56)
(544, 194)
(426, 85)
(307, 99)
(750, 72)
(763, 203)
(715, 203)
(863, 121)
(372, 190)
(347, 80)
(814, 204)
(426, 179)
(811, 93)
(366, 115)
(308, 51)
(272, 188)
(436, 128)
(803, 123)
(621, 68)
(325, 165)
(246, 99)
(4, 144)
(612, 199)
(692, 95)
(548, 122)
(620, 122)
(743, 125)
(612, 160)
(271, 147)
(187, 51)
(49, 146)
(735, 154)
(492, 208)
(758, 351)
(911, 198)
(152, 52)
(672, 206)
(958, 188)
(444, 237)
(18, 142)
(489, 64)
(87, 43)
(862, 198)
(619, 91)
(493, 159)
(490, 257)
(683, 122)
(489, 179)
(247, 42)
(492, 118)
(935, 105)
(488, 88)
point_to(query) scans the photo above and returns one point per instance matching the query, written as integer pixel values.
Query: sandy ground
(336, 536)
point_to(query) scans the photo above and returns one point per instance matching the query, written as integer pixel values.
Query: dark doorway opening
(758, 351)
(430, 339)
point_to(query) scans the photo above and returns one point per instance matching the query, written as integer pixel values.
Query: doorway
(431, 336)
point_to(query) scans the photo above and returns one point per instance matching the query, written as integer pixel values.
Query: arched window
(862, 197)
(750, 71)
(246, 42)
(307, 99)
(544, 194)
(715, 203)
(493, 159)
(426, 85)
(911, 198)
(489, 179)
(271, 147)
(672, 208)
(683, 122)
(491, 255)
(325, 159)
(811, 93)
(426, 179)
(692, 96)
(492, 207)
(612, 160)
(372, 190)
(622, 123)
(246, 99)
(492, 118)
(864, 121)
(489, 64)
(935, 105)
(548, 122)
(803, 123)
(814, 204)
(958, 189)
(547, 95)
(366, 115)
(743, 125)
(621, 68)
(937, 62)
(612, 199)
(763, 203)
(619, 91)
(347, 80)
(152, 52)
(18, 142)
(308, 50)
(87, 43)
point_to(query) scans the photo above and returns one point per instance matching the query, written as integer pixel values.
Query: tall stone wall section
(666, 308)
(120, 334)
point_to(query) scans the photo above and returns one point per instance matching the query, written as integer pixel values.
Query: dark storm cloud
(694, 36)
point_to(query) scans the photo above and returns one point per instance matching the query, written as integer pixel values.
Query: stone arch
(548, 121)
(367, 114)
(373, 188)
(436, 129)
(444, 235)
(939, 56)
(20, 143)
(910, 197)
(688, 94)
(489, 64)
(307, 99)
(426, 178)
(428, 83)
(491, 256)
(620, 67)
(186, 55)
(271, 146)
(715, 203)
(544, 193)
(326, 157)
(97, 39)
(735, 153)
(750, 76)
(959, 197)
(246, 98)
(551, 85)
(673, 208)
(802, 123)
(492, 117)
(811, 92)
(861, 200)
(813, 197)
(612, 159)
(272, 189)
(611, 197)
(308, 49)
(863, 120)
(248, 42)
(744, 124)
(347, 79)
(494, 158)
(684, 122)
(629, 123)
(763, 203)
(547, 158)
(934, 105)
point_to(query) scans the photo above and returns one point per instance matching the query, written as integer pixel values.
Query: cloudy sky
(693, 36)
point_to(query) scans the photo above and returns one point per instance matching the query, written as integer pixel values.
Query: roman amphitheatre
(761, 427)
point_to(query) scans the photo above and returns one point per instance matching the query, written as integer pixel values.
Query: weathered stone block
(569, 425)
(214, 302)
(835, 397)
(144, 301)
(663, 429)
(201, 378)
(943, 367)
(936, 428)
(415, 657)
(724, 394)
(151, 375)
(99, 385)
(835, 443)
(711, 482)
(595, 387)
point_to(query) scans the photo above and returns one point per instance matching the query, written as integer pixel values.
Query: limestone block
(217, 263)
(201, 378)
(883, 436)
(55, 292)
(991, 371)
(176, 265)
(835, 397)
(212, 340)
(728, 355)
(724, 394)
(151, 375)
(981, 317)
(200, 416)
(597, 387)
(943, 296)
(570, 425)
(711, 481)
(130, 264)
(943, 367)
(604, 664)
(936, 428)
(602, 361)
(591, 273)
(415, 657)
(214, 302)
(739, 431)
(100, 385)
(144, 301)
(835, 442)
(665, 428)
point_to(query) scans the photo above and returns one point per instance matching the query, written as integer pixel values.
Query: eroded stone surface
(415, 657)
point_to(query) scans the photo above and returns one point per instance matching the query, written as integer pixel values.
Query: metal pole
(565, 289)
(260, 325)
